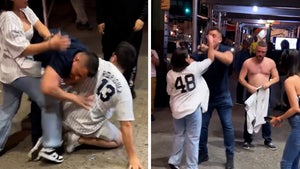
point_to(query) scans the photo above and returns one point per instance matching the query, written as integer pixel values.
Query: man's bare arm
(224, 57)
(127, 135)
(242, 78)
(50, 85)
(274, 75)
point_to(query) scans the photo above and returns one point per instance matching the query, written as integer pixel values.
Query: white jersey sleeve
(188, 89)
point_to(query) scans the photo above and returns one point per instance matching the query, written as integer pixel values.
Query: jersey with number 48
(188, 89)
(111, 95)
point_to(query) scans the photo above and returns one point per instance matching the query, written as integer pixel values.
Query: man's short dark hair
(92, 63)
(126, 55)
(215, 29)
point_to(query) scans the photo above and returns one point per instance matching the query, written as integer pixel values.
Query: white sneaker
(72, 142)
(51, 154)
(34, 152)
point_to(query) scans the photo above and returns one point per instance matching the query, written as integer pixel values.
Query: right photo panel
(225, 84)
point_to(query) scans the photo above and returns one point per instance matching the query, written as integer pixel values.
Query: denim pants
(223, 105)
(186, 135)
(51, 120)
(291, 153)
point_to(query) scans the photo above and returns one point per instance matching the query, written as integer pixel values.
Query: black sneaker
(202, 158)
(229, 162)
(271, 146)
(247, 146)
(51, 154)
(229, 166)
(34, 152)
(172, 166)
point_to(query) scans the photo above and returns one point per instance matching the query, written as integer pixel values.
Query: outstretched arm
(126, 130)
(224, 57)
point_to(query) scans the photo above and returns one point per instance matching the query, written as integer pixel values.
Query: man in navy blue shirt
(220, 99)
(64, 67)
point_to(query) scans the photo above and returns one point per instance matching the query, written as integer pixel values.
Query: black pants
(266, 130)
(110, 41)
(240, 93)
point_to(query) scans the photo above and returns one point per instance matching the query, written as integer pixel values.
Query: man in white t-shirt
(111, 95)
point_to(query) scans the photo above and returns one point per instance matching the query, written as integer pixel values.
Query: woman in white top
(184, 85)
(18, 72)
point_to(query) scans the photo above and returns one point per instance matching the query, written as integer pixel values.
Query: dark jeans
(223, 105)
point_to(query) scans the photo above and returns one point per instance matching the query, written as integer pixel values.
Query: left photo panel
(74, 84)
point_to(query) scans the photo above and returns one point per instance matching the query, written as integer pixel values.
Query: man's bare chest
(260, 69)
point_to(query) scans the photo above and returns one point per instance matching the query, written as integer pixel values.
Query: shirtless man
(261, 72)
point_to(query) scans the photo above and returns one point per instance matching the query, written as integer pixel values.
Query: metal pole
(45, 12)
(219, 20)
(237, 36)
(166, 32)
(194, 22)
